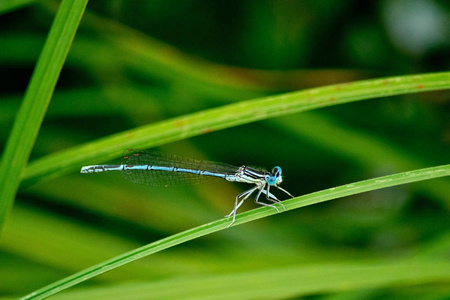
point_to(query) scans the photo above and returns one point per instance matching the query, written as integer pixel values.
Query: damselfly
(156, 169)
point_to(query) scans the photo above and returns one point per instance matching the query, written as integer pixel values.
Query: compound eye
(276, 171)
(275, 177)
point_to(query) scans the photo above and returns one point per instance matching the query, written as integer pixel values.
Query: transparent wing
(168, 178)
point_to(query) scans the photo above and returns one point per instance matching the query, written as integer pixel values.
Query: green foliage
(294, 102)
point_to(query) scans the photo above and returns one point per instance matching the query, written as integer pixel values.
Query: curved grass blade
(176, 129)
(314, 198)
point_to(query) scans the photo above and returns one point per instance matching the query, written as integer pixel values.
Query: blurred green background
(134, 63)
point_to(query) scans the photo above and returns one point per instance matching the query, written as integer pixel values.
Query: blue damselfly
(156, 169)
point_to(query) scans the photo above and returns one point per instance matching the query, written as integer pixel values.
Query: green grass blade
(314, 198)
(37, 98)
(227, 116)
